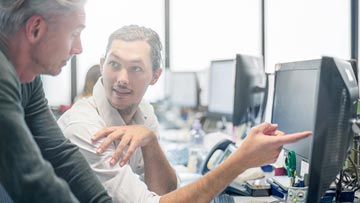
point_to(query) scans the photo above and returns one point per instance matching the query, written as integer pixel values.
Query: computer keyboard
(223, 198)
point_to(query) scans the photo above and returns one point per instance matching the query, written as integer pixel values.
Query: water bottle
(197, 150)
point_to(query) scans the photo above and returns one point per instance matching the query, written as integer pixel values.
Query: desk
(244, 199)
(177, 139)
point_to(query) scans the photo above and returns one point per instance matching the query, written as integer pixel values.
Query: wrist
(151, 142)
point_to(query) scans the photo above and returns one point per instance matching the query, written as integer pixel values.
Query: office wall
(58, 89)
(306, 29)
(303, 30)
(203, 30)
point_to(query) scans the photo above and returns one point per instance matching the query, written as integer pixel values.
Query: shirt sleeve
(64, 156)
(25, 175)
(122, 184)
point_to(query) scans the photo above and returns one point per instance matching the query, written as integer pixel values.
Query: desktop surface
(247, 199)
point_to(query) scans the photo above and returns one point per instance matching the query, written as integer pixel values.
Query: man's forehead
(139, 47)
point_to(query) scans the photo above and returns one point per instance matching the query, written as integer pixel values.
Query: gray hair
(134, 33)
(14, 13)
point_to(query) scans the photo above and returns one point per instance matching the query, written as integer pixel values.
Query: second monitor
(237, 89)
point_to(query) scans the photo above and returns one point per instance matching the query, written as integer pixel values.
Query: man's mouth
(122, 92)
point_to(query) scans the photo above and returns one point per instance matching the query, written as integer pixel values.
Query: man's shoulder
(84, 111)
(8, 74)
(145, 106)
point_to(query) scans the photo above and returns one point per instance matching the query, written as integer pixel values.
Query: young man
(131, 64)
(127, 71)
(39, 37)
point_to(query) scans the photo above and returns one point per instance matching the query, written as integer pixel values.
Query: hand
(264, 143)
(133, 136)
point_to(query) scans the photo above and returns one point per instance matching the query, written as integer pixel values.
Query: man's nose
(77, 46)
(123, 77)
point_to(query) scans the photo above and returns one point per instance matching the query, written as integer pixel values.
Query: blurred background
(194, 33)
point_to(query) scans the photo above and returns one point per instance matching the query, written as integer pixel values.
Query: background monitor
(221, 89)
(183, 89)
(250, 89)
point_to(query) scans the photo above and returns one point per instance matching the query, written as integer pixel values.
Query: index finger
(294, 137)
(102, 133)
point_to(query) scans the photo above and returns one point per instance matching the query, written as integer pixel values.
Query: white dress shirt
(88, 116)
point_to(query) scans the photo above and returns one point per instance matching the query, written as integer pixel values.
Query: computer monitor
(294, 104)
(250, 90)
(183, 89)
(236, 89)
(336, 105)
(318, 95)
(221, 89)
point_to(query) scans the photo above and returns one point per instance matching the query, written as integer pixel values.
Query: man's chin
(27, 79)
(123, 109)
(55, 72)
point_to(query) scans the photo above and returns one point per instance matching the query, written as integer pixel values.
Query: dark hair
(92, 76)
(134, 33)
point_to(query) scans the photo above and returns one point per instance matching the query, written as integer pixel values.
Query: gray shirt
(33, 151)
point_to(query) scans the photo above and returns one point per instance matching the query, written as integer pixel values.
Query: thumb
(262, 127)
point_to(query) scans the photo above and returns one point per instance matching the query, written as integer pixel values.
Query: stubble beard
(128, 110)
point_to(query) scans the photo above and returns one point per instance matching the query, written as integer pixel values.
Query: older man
(39, 37)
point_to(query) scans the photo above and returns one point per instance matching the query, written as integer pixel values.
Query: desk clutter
(267, 181)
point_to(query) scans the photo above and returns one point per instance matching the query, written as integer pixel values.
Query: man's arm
(25, 175)
(159, 175)
(121, 182)
(64, 156)
(261, 146)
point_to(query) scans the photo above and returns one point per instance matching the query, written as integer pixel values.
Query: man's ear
(156, 76)
(35, 28)
(102, 61)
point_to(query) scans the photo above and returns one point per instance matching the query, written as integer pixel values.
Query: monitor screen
(294, 103)
(221, 89)
(321, 96)
(183, 89)
(250, 89)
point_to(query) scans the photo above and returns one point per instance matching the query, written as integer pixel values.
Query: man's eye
(114, 64)
(75, 34)
(136, 68)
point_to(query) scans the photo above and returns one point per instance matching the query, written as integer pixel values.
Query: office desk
(245, 199)
(177, 139)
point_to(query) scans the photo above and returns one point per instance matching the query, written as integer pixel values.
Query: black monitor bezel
(332, 77)
(243, 108)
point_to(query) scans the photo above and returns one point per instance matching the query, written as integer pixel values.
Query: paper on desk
(250, 174)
